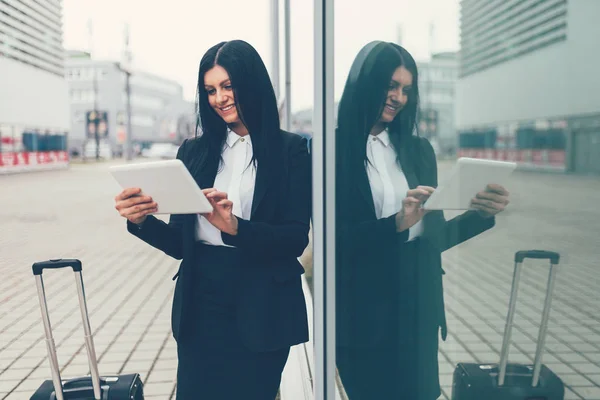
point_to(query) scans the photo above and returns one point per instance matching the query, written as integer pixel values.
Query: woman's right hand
(412, 210)
(134, 206)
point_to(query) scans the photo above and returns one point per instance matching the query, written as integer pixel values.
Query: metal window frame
(323, 184)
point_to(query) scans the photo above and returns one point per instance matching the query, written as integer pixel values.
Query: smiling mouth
(391, 108)
(227, 108)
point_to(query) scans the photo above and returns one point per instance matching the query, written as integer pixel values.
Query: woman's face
(220, 94)
(397, 96)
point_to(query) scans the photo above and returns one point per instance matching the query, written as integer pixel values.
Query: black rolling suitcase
(121, 387)
(506, 381)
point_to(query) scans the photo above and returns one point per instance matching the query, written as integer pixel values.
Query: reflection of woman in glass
(389, 276)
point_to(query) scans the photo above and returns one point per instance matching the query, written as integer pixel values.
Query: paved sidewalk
(549, 212)
(128, 284)
(129, 288)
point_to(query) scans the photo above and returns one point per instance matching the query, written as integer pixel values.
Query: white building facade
(528, 88)
(34, 106)
(157, 104)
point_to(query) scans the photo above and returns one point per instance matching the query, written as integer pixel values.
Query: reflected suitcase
(121, 387)
(506, 381)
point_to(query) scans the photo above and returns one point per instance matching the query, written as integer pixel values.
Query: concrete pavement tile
(161, 376)
(561, 368)
(572, 358)
(114, 357)
(8, 385)
(446, 368)
(80, 359)
(165, 365)
(109, 368)
(14, 374)
(477, 347)
(559, 348)
(570, 395)
(446, 392)
(519, 358)
(588, 393)
(148, 345)
(158, 389)
(31, 384)
(142, 355)
(136, 365)
(10, 354)
(575, 380)
(446, 379)
(586, 368)
(488, 356)
(528, 347)
(594, 378)
(28, 362)
(73, 371)
(15, 396)
(584, 347)
(594, 356)
(549, 358)
(41, 373)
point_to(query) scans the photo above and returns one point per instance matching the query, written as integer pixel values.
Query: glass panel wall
(427, 228)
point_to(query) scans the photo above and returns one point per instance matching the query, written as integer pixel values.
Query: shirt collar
(383, 137)
(233, 138)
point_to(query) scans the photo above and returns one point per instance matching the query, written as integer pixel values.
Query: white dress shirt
(387, 180)
(236, 176)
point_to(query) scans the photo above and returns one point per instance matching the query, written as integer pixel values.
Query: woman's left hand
(222, 216)
(491, 201)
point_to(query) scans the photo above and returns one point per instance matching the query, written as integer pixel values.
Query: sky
(168, 38)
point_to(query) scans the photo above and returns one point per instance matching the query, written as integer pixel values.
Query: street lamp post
(128, 145)
(96, 115)
(275, 47)
(288, 73)
(127, 69)
(95, 89)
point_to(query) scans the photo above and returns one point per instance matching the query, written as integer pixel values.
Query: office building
(157, 106)
(437, 84)
(34, 106)
(528, 88)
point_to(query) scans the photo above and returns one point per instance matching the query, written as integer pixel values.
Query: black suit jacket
(368, 248)
(271, 310)
(370, 252)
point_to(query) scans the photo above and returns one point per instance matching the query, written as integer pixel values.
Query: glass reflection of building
(510, 104)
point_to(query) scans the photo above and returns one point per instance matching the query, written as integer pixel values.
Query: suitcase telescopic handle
(520, 256)
(39, 267)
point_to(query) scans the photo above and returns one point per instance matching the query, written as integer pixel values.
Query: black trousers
(390, 369)
(214, 363)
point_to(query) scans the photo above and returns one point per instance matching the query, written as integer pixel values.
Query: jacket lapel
(408, 168)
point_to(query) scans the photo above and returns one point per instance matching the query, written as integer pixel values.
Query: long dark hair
(254, 98)
(364, 97)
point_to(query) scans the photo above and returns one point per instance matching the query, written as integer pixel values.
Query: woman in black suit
(238, 303)
(389, 292)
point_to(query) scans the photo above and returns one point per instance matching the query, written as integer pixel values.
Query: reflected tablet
(468, 177)
(169, 183)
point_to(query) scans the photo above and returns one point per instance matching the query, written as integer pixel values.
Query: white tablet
(168, 182)
(468, 177)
